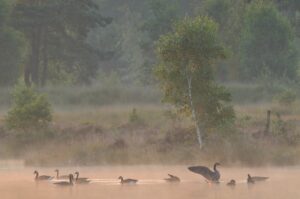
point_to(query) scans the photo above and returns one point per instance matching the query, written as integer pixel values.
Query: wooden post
(267, 130)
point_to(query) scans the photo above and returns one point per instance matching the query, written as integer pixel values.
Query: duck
(250, 180)
(81, 180)
(172, 179)
(209, 175)
(42, 177)
(65, 183)
(127, 181)
(231, 183)
(61, 176)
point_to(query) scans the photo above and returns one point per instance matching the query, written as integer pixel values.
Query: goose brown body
(231, 183)
(41, 177)
(127, 181)
(81, 180)
(65, 183)
(253, 179)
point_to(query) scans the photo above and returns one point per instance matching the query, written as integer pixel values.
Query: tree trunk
(198, 130)
(36, 56)
(45, 58)
(27, 75)
(267, 129)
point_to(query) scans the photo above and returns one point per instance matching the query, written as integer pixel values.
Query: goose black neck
(215, 166)
(36, 175)
(57, 174)
(71, 179)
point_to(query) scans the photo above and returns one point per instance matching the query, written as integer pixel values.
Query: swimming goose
(65, 183)
(81, 180)
(258, 178)
(231, 183)
(61, 176)
(172, 179)
(212, 176)
(250, 180)
(42, 177)
(127, 181)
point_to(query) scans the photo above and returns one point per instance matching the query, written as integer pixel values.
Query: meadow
(104, 125)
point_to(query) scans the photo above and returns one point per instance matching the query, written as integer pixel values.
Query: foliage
(30, 109)
(267, 43)
(12, 47)
(286, 98)
(56, 31)
(188, 54)
(218, 10)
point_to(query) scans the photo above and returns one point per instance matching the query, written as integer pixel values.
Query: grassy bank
(99, 135)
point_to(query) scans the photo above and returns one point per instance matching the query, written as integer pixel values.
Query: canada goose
(258, 178)
(42, 177)
(65, 183)
(212, 176)
(172, 179)
(127, 181)
(231, 183)
(250, 180)
(81, 180)
(61, 176)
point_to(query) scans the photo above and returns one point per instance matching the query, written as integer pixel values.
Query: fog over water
(20, 184)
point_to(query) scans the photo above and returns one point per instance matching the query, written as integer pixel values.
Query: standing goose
(65, 183)
(61, 176)
(42, 177)
(127, 181)
(172, 179)
(212, 176)
(81, 180)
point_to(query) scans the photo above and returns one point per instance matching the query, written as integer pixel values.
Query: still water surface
(284, 183)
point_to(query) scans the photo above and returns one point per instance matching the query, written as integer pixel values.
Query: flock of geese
(211, 176)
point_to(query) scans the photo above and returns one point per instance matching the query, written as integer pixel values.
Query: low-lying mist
(283, 183)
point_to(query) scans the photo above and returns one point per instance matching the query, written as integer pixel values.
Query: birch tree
(186, 73)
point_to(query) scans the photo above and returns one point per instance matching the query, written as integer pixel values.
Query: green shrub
(30, 109)
(286, 98)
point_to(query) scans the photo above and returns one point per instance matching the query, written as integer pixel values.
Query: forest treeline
(77, 41)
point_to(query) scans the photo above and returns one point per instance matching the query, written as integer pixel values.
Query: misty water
(283, 183)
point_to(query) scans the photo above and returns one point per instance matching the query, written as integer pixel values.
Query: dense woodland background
(96, 62)
(79, 42)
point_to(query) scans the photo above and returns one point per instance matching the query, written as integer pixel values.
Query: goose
(211, 176)
(42, 177)
(127, 181)
(81, 180)
(250, 180)
(172, 179)
(231, 183)
(65, 183)
(258, 178)
(61, 176)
